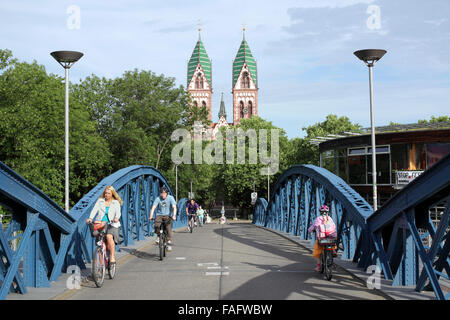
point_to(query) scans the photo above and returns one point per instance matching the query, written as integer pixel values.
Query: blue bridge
(400, 238)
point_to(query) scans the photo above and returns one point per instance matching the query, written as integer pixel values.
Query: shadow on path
(295, 280)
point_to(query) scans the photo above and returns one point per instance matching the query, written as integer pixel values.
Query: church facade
(244, 85)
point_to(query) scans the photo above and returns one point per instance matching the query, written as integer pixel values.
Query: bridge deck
(233, 261)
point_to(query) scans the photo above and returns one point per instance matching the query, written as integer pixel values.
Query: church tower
(245, 84)
(199, 83)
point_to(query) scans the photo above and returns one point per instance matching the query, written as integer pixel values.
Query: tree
(303, 152)
(434, 119)
(236, 179)
(32, 131)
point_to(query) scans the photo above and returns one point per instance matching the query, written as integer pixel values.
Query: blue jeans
(200, 219)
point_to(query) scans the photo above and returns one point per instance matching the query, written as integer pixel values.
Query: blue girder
(395, 232)
(391, 237)
(295, 201)
(51, 239)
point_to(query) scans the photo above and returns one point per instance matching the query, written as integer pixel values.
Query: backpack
(327, 229)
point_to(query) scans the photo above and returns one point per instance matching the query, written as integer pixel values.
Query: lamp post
(176, 181)
(268, 183)
(370, 57)
(66, 59)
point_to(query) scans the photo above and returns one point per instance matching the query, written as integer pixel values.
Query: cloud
(304, 50)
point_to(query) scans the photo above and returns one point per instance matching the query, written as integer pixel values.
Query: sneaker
(157, 240)
(169, 248)
(318, 268)
(188, 228)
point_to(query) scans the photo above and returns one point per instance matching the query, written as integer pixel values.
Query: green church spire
(222, 112)
(199, 55)
(244, 55)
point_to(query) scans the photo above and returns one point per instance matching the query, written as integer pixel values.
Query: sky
(304, 50)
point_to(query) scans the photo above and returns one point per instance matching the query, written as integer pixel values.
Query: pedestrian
(200, 215)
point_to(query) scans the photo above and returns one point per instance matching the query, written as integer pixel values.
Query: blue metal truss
(295, 202)
(36, 219)
(392, 237)
(399, 228)
(138, 186)
(51, 240)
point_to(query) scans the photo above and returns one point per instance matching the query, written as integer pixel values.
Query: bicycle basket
(99, 225)
(327, 241)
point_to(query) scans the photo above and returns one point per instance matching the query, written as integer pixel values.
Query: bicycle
(326, 257)
(100, 257)
(162, 241)
(191, 223)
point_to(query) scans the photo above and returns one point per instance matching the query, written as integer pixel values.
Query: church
(244, 85)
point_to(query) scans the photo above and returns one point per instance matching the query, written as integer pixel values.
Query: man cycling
(162, 204)
(191, 210)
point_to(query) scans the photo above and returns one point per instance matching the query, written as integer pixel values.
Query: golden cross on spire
(199, 28)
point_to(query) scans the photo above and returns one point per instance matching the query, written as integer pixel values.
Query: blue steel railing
(402, 225)
(388, 238)
(51, 240)
(37, 223)
(295, 202)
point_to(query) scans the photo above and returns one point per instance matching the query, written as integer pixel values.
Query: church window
(199, 81)
(245, 81)
(250, 109)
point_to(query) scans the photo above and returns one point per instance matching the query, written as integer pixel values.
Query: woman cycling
(324, 227)
(107, 209)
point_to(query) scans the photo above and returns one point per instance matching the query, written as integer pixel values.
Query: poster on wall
(405, 177)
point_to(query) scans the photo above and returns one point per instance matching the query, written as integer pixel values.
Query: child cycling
(325, 228)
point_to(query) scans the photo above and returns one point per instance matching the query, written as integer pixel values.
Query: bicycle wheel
(98, 267)
(328, 264)
(322, 261)
(192, 225)
(161, 246)
(165, 244)
(112, 270)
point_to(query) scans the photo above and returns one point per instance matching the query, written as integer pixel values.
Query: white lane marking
(217, 273)
(180, 258)
(207, 264)
(218, 267)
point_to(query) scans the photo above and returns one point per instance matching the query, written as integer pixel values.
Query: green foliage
(114, 123)
(236, 180)
(32, 131)
(434, 119)
(303, 152)
(331, 125)
(128, 120)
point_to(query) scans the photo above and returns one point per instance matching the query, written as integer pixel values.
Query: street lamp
(191, 195)
(66, 59)
(177, 163)
(370, 57)
(268, 182)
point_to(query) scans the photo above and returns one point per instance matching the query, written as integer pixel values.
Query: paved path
(233, 261)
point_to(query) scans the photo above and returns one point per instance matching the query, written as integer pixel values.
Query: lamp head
(66, 58)
(370, 56)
